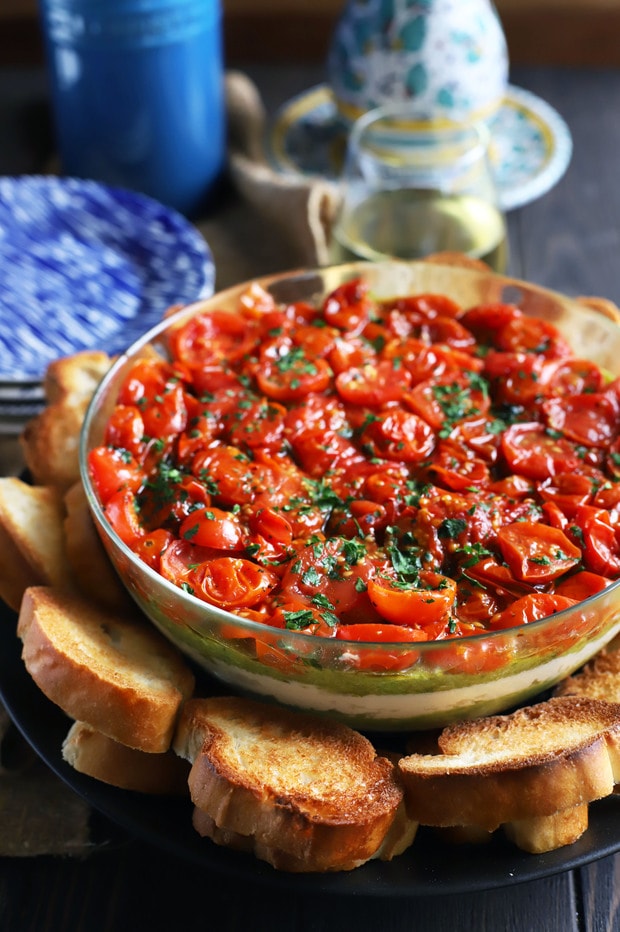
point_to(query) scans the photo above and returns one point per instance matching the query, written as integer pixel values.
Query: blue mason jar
(138, 96)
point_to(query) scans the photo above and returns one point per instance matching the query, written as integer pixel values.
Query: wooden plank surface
(137, 888)
(570, 239)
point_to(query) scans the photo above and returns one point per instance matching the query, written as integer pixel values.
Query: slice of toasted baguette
(535, 762)
(599, 679)
(50, 441)
(32, 548)
(116, 673)
(307, 793)
(92, 571)
(75, 377)
(94, 754)
(546, 833)
(535, 835)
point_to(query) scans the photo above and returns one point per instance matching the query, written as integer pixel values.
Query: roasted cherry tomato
(537, 553)
(531, 608)
(231, 582)
(113, 470)
(531, 450)
(427, 599)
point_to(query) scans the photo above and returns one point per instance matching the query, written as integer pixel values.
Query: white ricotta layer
(407, 707)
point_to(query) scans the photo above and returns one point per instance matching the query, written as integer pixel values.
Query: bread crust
(546, 833)
(32, 547)
(535, 762)
(92, 753)
(50, 441)
(118, 675)
(91, 568)
(599, 679)
(312, 794)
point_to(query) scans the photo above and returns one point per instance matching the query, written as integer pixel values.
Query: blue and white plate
(86, 266)
(530, 150)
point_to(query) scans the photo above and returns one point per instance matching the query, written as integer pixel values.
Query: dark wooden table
(569, 240)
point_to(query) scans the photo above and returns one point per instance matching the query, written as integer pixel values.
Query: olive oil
(411, 224)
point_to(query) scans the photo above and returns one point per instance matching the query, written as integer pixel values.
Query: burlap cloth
(266, 223)
(271, 222)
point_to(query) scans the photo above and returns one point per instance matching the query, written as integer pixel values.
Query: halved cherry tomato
(455, 467)
(228, 473)
(531, 608)
(373, 384)
(125, 430)
(357, 519)
(427, 600)
(481, 434)
(530, 450)
(567, 490)
(293, 376)
(232, 582)
(152, 547)
(515, 377)
(593, 531)
(486, 320)
(582, 585)
(448, 399)
(271, 536)
(179, 560)
(532, 335)
(121, 510)
(350, 352)
(569, 376)
(591, 420)
(495, 575)
(395, 434)
(337, 571)
(113, 470)
(212, 338)
(257, 423)
(349, 306)
(537, 553)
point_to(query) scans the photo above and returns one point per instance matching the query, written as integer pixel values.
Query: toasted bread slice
(32, 549)
(309, 794)
(535, 762)
(458, 259)
(546, 833)
(75, 377)
(50, 441)
(92, 571)
(94, 754)
(117, 674)
(599, 679)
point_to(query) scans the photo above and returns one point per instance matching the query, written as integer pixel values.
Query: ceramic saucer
(530, 150)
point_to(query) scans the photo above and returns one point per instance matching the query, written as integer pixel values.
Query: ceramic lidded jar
(447, 58)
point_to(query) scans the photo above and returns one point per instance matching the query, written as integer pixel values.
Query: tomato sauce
(401, 470)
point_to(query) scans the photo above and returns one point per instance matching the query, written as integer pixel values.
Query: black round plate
(430, 867)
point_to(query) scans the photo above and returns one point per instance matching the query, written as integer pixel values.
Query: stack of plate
(19, 401)
(84, 266)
